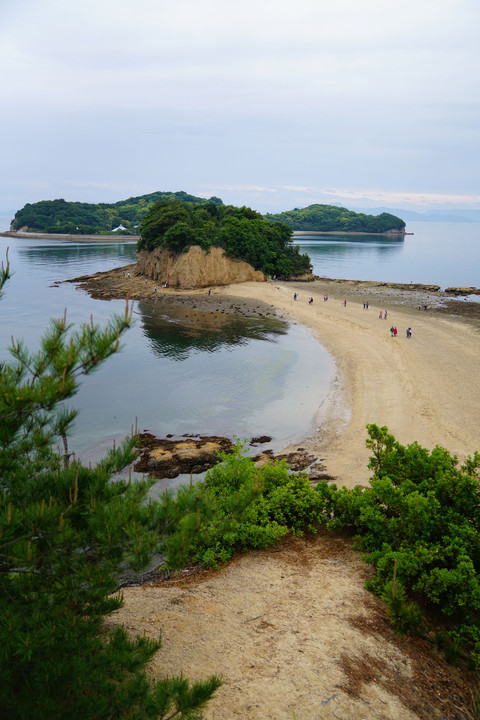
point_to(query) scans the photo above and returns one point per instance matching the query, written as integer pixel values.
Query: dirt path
(294, 635)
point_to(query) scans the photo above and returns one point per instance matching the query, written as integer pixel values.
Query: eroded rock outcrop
(195, 268)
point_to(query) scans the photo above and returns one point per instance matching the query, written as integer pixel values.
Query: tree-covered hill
(242, 232)
(324, 218)
(63, 217)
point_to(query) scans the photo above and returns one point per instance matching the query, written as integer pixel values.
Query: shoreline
(71, 238)
(396, 234)
(424, 389)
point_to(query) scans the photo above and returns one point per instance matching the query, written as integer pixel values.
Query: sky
(264, 103)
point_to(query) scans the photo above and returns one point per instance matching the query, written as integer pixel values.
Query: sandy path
(425, 389)
(294, 635)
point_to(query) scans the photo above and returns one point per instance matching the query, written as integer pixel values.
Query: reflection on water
(358, 239)
(437, 253)
(182, 330)
(351, 257)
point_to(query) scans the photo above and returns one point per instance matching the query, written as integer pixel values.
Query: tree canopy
(324, 218)
(242, 232)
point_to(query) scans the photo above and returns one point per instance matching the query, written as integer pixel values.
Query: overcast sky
(265, 103)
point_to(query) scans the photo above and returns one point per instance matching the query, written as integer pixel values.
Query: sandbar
(425, 388)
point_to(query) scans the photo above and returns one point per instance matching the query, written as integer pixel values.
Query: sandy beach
(292, 630)
(425, 389)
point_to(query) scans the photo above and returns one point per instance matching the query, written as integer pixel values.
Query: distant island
(125, 217)
(331, 218)
(76, 218)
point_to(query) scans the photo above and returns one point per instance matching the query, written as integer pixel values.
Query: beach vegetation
(418, 525)
(274, 503)
(331, 218)
(241, 232)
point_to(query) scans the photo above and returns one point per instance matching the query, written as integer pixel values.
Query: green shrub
(419, 521)
(251, 507)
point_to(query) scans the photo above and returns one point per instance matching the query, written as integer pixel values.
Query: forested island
(325, 218)
(76, 218)
(176, 221)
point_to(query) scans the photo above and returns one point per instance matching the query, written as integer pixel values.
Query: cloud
(272, 99)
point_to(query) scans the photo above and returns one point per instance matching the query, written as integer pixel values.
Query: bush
(419, 523)
(254, 507)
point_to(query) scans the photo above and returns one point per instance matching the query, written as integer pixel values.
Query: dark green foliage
(405, 614)
(60, 216)
(242, 232)
(420, 521)
(67, 534)
(251, 507)
(332, 218)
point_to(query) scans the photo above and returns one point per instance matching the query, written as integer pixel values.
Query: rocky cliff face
(195, 268)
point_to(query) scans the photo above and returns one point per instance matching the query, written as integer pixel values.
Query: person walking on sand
(385, 314)
(395, 332)
(409, 332)
(391, 331)
(380, 314)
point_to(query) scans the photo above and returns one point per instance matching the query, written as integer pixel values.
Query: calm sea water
(252, 378)
(445, 254)
(255, 377)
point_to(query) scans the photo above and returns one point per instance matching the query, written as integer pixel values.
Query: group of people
(382, 314)
(394, 331)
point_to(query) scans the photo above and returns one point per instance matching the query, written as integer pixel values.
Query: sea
(253, 377)
(431, 253)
